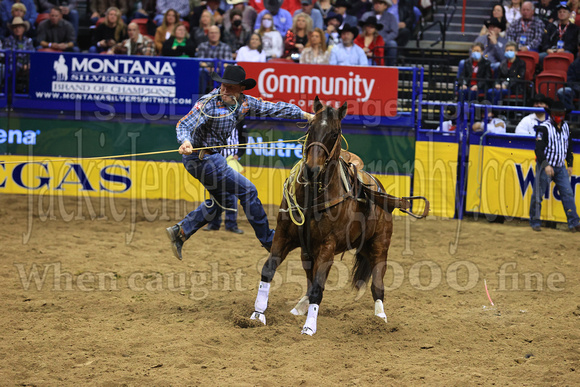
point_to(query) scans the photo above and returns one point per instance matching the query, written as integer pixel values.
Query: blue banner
(114, 84)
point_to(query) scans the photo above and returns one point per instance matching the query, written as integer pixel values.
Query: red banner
(369, 91)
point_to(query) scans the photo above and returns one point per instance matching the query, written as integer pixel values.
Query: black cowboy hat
(558, 106)
(493, 22)
(342, 3)
(348, 28)
(371, 20)
(332, 15)
(234, 75)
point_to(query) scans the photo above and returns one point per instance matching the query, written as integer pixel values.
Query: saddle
(366, 187)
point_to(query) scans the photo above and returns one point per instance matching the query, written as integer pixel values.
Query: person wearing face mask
(511, 70)
(553, 153)
(237, 36)
(282, 19)
(272, 42)
(249, 14)
(475, 75)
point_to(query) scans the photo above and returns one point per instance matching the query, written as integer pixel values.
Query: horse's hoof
(308, 331)
(382, 316)
(259, 316)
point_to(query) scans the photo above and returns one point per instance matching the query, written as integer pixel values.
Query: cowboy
(347, 53)
(209, 124)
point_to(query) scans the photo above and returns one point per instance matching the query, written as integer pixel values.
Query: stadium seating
(548, 82)
(532, 59)
(559, 61)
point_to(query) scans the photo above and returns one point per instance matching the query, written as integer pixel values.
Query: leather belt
(204, 152)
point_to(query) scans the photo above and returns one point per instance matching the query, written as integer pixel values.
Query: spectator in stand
(137, 44)
(214, 49)
(179, 43)
(475, 75)
(164, 31)
(282, 18)
(69, 10)
(341, 7)
(100, 7)
(371, 42)
(494, 124)
(109, 32)
(333, 23)
(315, 14)
(572, 90)
(179, 6)
(297, 37)
(18, 10)
(29, 8)
(493, 44)
(513, 11)
(545, 11)
(360, 7)
(316, 51)
(498, 14)
(199, 33)
(402, 10)
(56, 34)
(347, 53)
(528, 30)
(529, 122)
(272, 42)
(562, 37)
(249, 14)
(253, 51)
(325, 7)
(511, 70)
(237, 36)
(213, 6)
(17, 41)
(574, 9)
(390, 29)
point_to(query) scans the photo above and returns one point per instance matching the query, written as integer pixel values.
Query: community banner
(501, 182)
(69, 82)
(369, 91)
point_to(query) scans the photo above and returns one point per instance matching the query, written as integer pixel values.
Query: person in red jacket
(371, 42)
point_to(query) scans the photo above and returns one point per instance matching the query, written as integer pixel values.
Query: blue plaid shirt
(533, 30)
(203, 131)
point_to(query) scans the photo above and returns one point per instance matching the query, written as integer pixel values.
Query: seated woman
(475, 75)
(272, 42)
(316, 51)
(297, 36)
(371, 42)
(163, 32)
(109, 32)
(252, 52)
(511, 70)
(199, 34)
(179, 43)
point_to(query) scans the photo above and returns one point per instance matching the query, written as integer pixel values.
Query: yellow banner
(436, 175)
(137, 179)
(501, 180)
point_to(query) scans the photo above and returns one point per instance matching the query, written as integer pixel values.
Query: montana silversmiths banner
(369, 91)
(67, 81)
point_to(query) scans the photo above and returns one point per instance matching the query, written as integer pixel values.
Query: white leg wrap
(301, 307)
(379, 310)
(262, 298)
(310, 325)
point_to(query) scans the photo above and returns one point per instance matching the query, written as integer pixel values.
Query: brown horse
(325, 212)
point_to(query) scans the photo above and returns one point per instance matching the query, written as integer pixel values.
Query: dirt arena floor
(91, 294)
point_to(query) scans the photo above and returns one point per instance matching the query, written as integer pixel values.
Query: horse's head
(323, 141)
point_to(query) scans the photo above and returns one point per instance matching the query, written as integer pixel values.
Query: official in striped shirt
(553, 152)
(209, 124)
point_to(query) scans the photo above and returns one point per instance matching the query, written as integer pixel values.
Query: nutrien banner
(369, 91)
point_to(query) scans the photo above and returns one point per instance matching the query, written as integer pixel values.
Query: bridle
(330, 155)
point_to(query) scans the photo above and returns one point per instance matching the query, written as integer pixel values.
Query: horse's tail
(361, 272)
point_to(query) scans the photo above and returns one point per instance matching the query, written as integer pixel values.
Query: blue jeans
(541, 184)
(231, 216)
(222, 181)
(566, 95)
